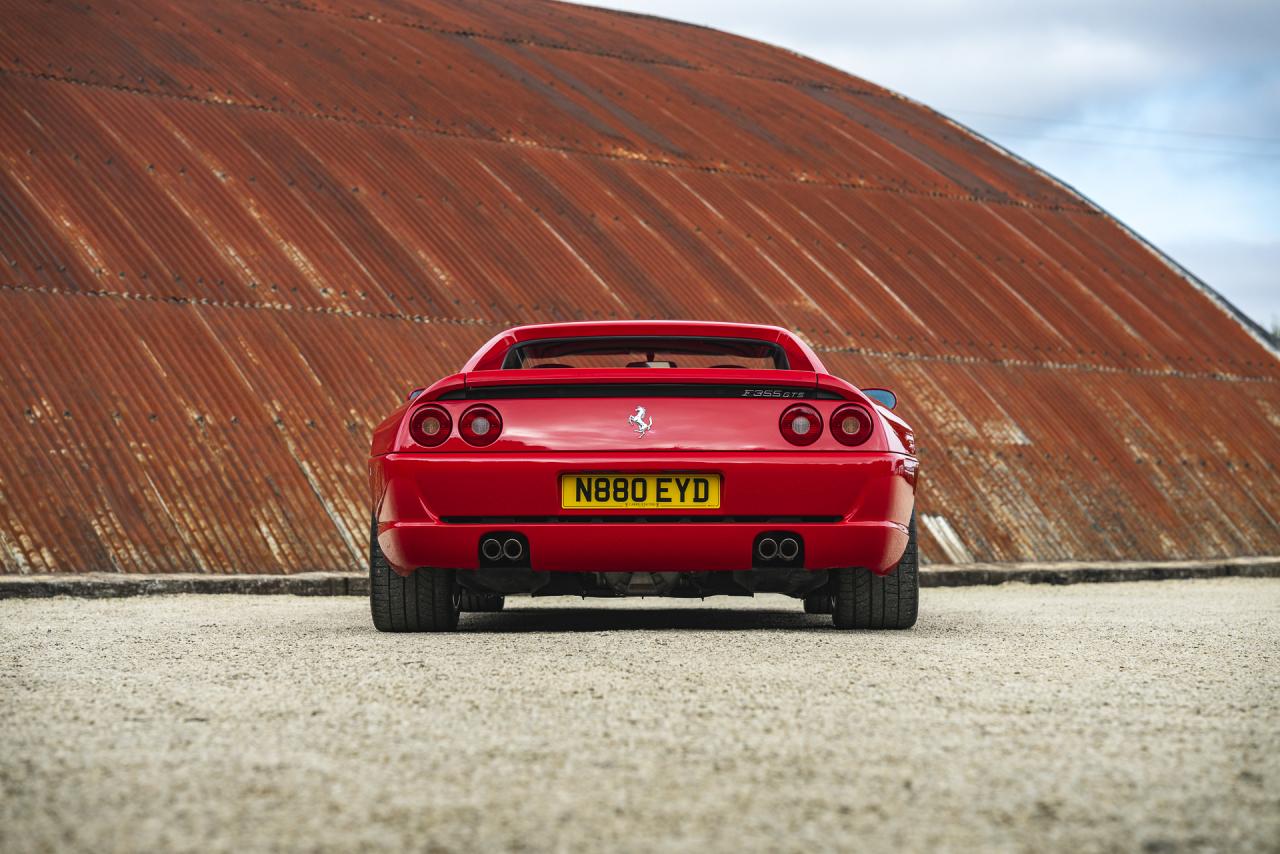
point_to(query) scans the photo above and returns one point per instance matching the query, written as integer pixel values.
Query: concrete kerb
(96, 585)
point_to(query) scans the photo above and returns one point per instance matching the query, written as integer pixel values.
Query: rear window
(646, 353)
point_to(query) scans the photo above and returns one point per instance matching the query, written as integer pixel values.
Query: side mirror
(413, 395)
(882, 396)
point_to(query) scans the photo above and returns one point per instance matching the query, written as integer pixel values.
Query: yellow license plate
(640, 491)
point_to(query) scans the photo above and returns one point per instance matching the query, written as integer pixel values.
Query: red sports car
(643, 458)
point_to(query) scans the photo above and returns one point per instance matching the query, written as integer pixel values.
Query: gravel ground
(1134, 717)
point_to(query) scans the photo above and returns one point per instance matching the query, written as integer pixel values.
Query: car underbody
(790, 581)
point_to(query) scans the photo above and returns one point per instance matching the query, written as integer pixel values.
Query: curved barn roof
(233, 235)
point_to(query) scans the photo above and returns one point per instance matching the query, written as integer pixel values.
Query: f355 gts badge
(637, 420)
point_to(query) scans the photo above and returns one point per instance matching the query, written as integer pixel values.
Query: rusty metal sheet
(233, 235)
(460, 79)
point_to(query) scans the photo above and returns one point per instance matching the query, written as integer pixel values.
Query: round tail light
(430, 425)
(852, 425)
(800, 424)
(480, 425)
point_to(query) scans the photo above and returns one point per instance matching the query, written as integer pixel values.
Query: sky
(1167, 115)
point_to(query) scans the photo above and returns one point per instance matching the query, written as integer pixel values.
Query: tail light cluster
(800, 424)
(851, 424)
(431, 424)
(480, 425)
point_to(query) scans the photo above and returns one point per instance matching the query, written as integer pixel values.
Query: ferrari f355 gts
(643, 458)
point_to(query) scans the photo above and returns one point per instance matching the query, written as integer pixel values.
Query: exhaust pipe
(788, 548)
(491, 548)
(512, 549)
(767, 548)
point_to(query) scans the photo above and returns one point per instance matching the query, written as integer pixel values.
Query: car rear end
(616, 471)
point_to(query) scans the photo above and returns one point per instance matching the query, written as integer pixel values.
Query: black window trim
(780, 360)
(654, 390)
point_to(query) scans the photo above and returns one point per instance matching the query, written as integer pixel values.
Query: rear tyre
(818, 603)
(470, 601)
(424, 601)
(864, 600)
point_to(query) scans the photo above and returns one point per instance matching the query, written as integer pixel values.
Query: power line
(1133, 128)
(1260, 155)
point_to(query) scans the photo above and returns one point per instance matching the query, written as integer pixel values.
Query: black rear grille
(633, 389)
(636, 519)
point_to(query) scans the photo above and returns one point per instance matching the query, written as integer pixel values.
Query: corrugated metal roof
(233, 235)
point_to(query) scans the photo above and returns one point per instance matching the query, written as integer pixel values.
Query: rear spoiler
(623, 382)
(630, 382)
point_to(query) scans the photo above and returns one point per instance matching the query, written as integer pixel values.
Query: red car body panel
(851, 505)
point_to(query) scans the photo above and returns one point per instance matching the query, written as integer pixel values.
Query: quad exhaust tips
(778, 548)
(501, 549)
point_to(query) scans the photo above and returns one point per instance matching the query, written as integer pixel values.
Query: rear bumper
(432, 511)
(647, 546)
